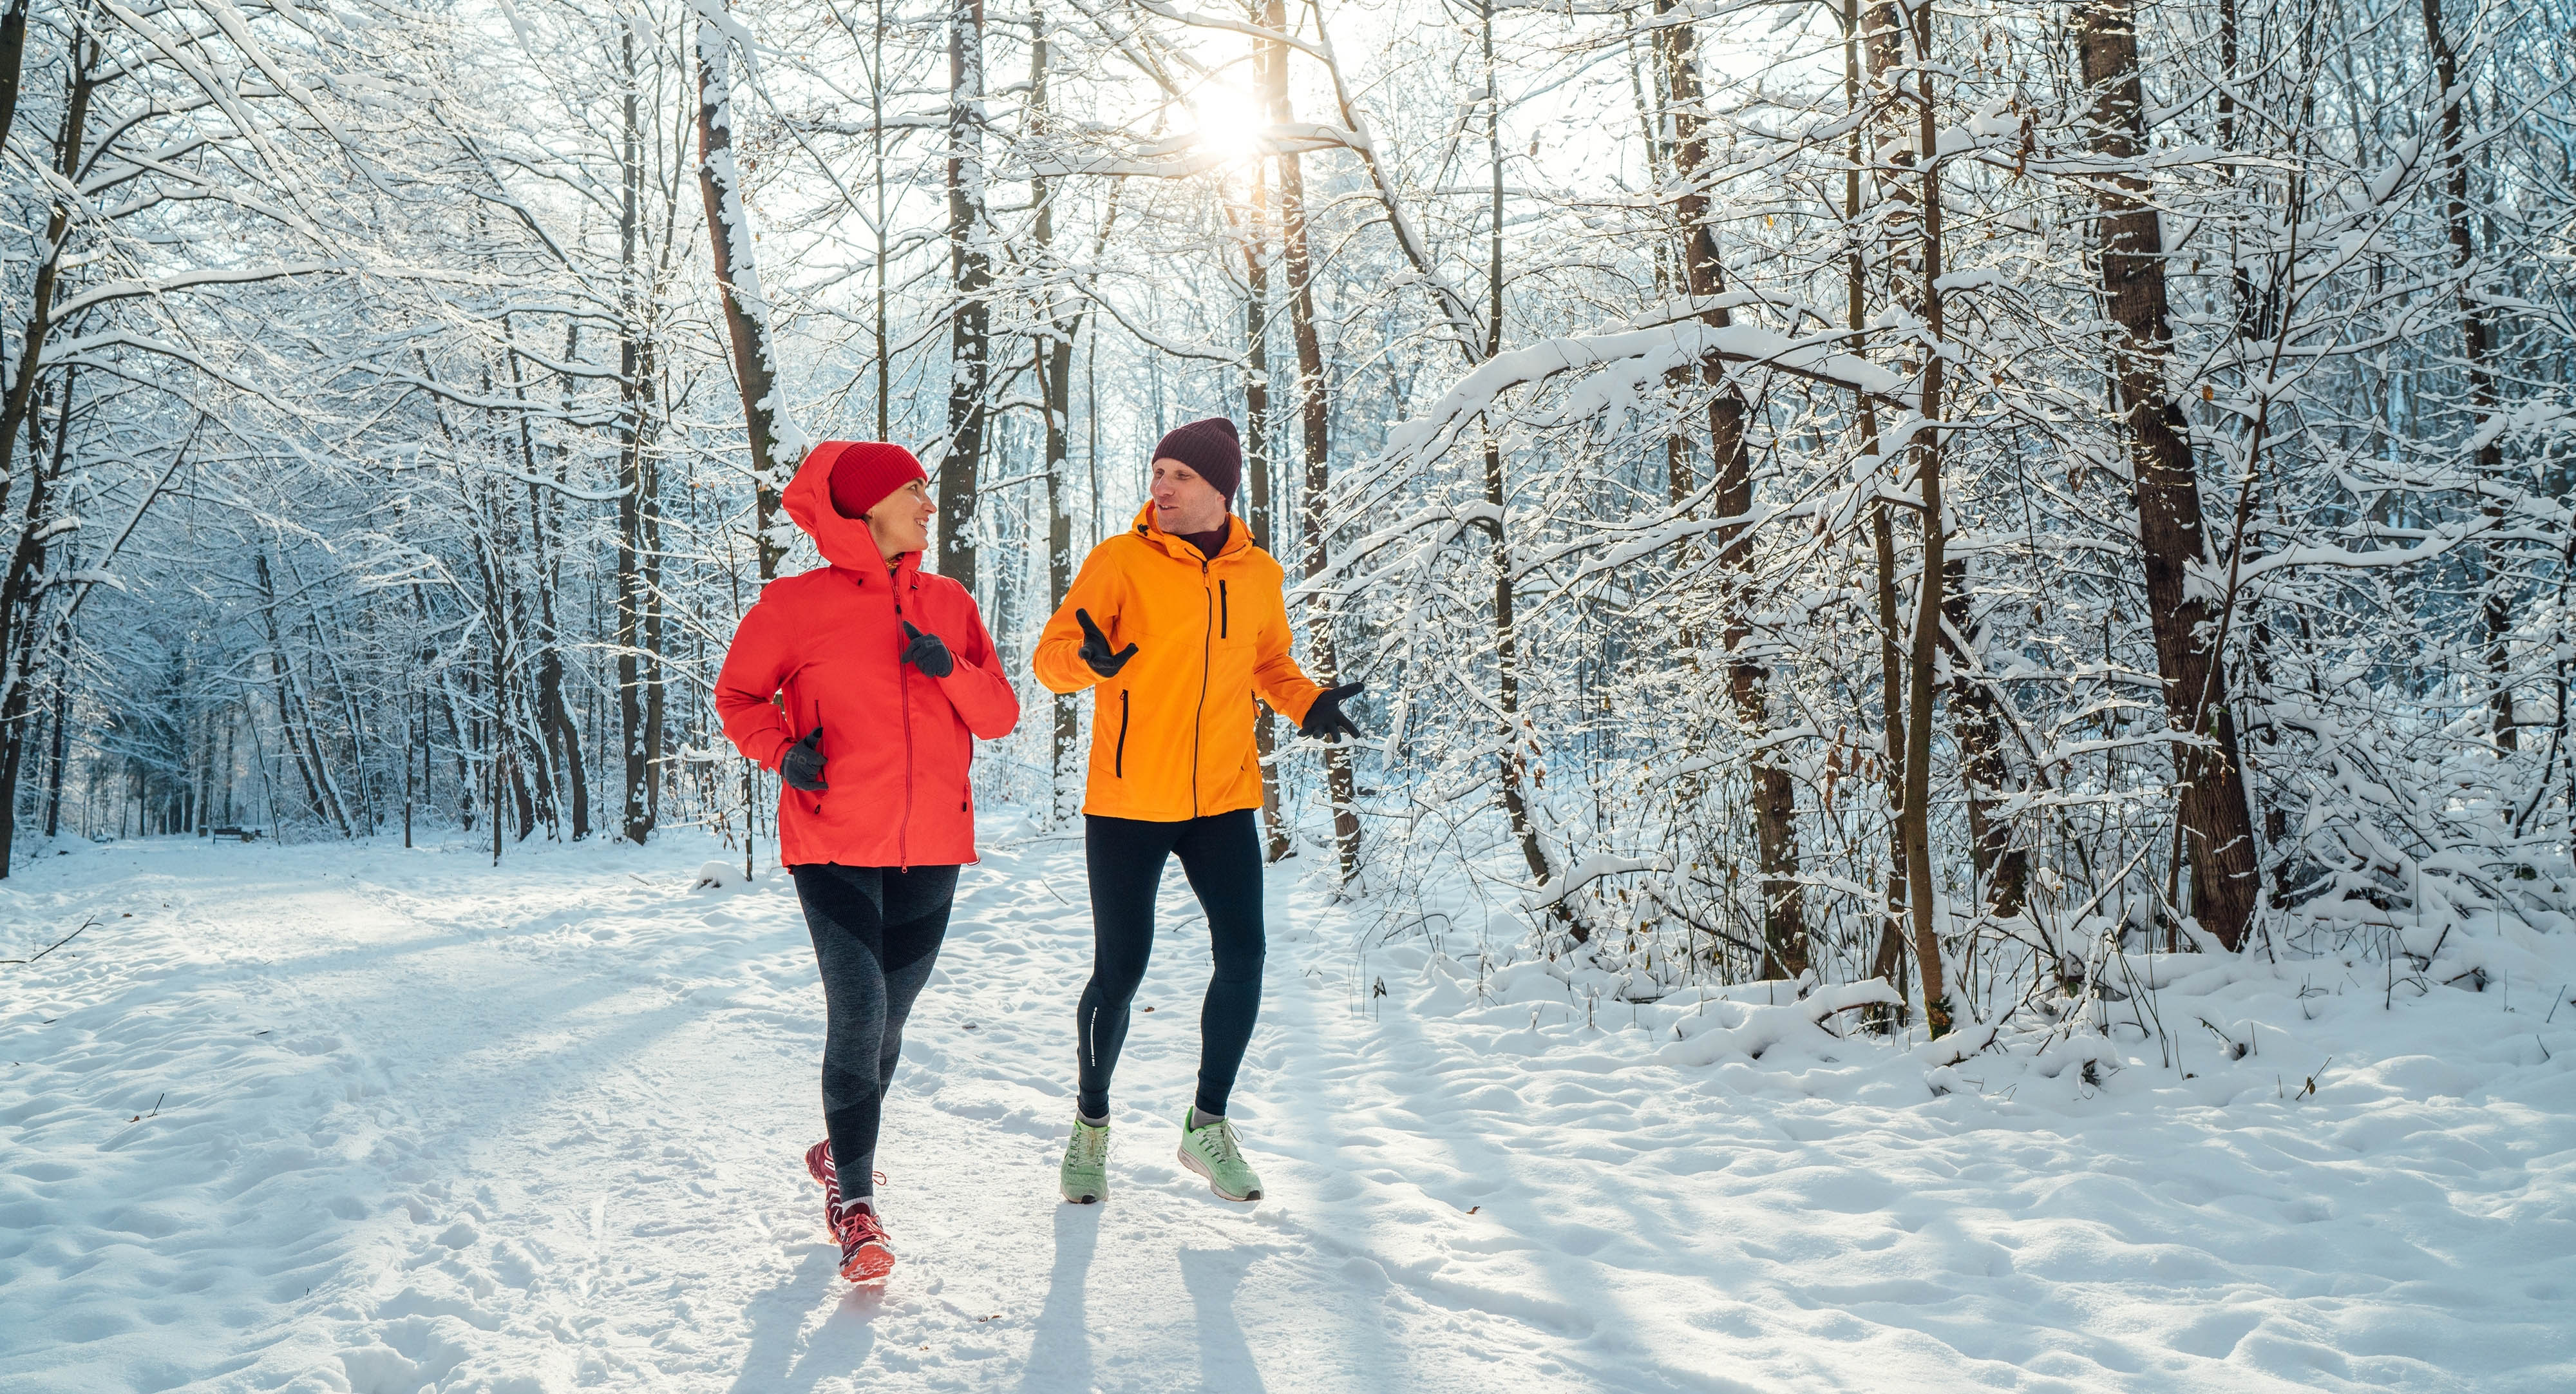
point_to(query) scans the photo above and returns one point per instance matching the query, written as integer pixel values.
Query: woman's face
(1183, 501)
(901, 520)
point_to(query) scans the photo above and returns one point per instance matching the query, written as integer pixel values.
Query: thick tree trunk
(970, 282)
(746, 308)
(2215, 826)
(1315, 416)
(1775, 831)
(1887, 961)
(635, 392)
(13, 62)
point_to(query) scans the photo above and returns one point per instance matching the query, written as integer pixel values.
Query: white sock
(1200, 1118)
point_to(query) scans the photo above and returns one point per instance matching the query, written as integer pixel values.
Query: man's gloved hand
(926, 652)
(802, 765)
(1324, 720)
(1095, 648)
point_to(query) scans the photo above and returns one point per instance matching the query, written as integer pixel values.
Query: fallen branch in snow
(75, 934)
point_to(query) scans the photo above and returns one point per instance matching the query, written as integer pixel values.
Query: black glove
(802, 765)
(926, 652)
(1324, 720)
(1095, 648)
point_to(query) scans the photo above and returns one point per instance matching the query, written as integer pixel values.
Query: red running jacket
(825, 648)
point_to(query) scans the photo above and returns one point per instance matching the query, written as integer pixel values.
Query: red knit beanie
(1208, 447)
(865, 471)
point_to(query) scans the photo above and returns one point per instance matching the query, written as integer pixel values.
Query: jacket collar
(1238, 537)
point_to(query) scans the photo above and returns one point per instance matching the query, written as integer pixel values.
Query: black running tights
(876, 935)
(1221, 854)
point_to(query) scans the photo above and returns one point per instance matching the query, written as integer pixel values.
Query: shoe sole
(870, 1263)
(1190, 1159)
(1086, 1198)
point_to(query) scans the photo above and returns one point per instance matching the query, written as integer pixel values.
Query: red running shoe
(866, 1254)
(818, 1164)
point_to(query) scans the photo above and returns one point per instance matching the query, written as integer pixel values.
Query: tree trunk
(1784, 933)
(13, 62)
(635, 369)
(1886, 963)
(281, 674)
(19, 589)
(970, 311)
(1257, 442)
(2478, 343)
(2214, 826)
(1914, 230)
(1054, 366)
(746, 308)
(1315, 415)
(1517, 744)
(1976, 722)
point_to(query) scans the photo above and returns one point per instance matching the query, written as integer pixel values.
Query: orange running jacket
(1171, 735)
(825, 649)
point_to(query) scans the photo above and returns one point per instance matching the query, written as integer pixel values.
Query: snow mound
(720, 874)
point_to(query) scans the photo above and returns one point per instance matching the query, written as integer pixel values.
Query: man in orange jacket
(1175, 625)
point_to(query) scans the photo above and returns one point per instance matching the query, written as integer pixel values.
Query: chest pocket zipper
(1220, 610)
(1118, 760)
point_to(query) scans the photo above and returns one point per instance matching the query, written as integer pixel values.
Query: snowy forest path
(429, 1125)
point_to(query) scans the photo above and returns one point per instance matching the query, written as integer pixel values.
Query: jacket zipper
(1118, 761)
(1221, 621)
(1207, 657)
(903, 699)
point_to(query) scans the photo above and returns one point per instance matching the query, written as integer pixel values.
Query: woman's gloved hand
(927, 652)
(802, 765)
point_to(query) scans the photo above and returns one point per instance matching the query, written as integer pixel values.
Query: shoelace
(858, 1224)
(1090, 1145)
(1224, 1145)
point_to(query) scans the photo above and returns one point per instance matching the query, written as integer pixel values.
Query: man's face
(1183, 500)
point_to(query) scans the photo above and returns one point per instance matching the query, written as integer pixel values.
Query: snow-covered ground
(329, 1118)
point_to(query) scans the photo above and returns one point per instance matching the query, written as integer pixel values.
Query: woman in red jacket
(888, 674)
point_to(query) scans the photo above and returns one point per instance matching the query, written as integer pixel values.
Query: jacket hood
(844, 542)
(1238, 535)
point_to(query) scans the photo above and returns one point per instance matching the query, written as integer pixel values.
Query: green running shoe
(1086, 1163)
(1214, 1153)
